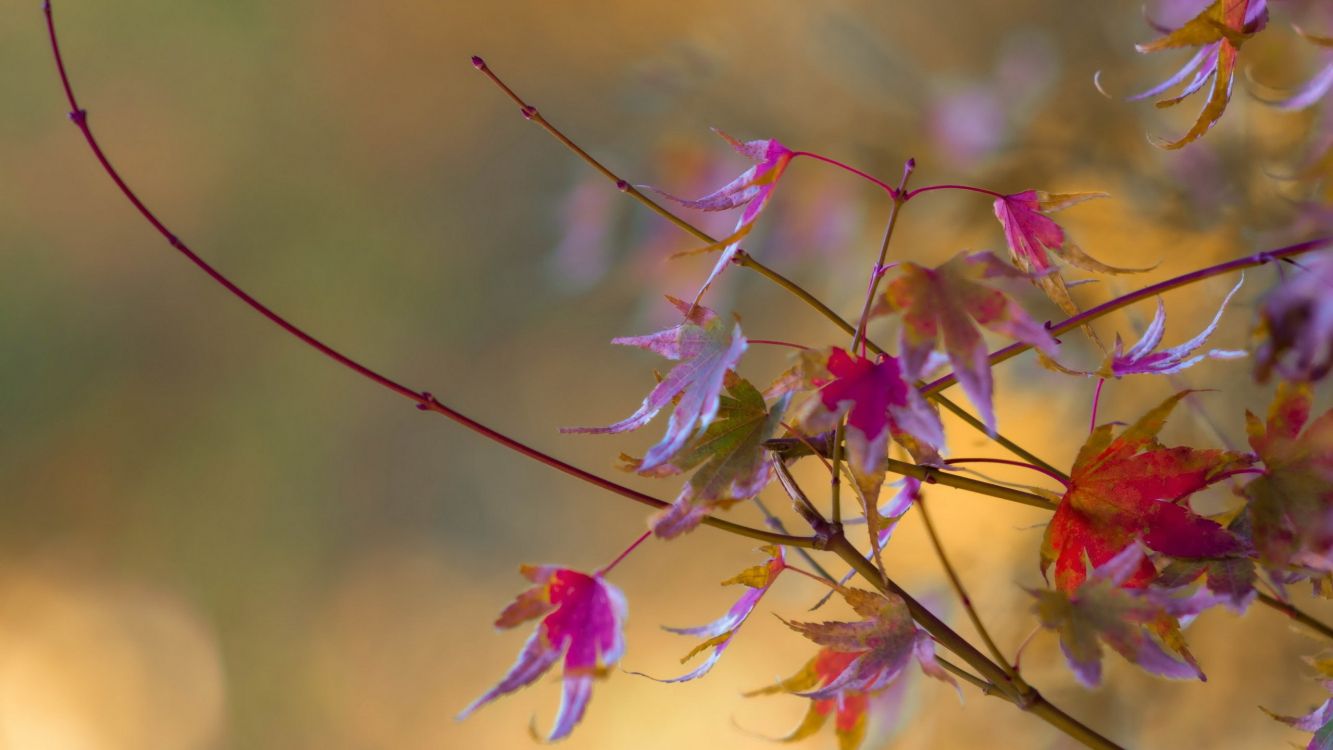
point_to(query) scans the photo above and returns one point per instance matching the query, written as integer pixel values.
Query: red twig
(423, 399)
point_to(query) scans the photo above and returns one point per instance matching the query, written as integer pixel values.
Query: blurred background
(212, 537)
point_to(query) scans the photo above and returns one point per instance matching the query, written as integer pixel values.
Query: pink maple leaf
(584, 624)
(1143, 358)
(878, 398)
(718, 633)
(1032, 236)
(706, 348)
(751, 189)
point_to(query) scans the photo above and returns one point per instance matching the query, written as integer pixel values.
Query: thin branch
(933, 475)
(985, 687)
(1057, 476)
(957, 584)
(1296, 615)
(1091, 314)
(928, 188)
(423, 399)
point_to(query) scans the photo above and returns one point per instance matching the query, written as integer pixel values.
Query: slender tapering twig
(932, 475)
(957, 584)
(423, 399)
(1296, 615)
(1057, 476)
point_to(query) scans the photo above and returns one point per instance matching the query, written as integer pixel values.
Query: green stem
(932, 475)
(835, 483)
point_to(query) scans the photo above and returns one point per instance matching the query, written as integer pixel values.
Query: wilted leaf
(884, 641)
(1218, 31)
(751, 189)
(718, 633)
(1031, 235)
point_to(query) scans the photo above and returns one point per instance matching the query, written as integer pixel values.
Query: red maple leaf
(1131, 487)
(584, 624)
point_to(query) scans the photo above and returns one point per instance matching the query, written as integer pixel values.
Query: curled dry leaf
(1032, 237)
(1218, 31)
(718, 633)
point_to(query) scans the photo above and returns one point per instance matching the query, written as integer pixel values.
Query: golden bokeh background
(212, 537)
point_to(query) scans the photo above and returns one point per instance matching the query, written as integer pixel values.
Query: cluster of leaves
(1126, 556)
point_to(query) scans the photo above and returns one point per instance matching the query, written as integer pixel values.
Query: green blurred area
(213, 537)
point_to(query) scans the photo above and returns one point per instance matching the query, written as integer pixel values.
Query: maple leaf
(1320, 720)
(1298, 318)
(751, 189)
(584, 617)
(883, 642)
(1291, 502)
(729, 455)
(878, 398)
(1032, 235)
(1142, 359)
(1132, 486)
(850, 708)
(949, 302)
(1218, 31)
(706, 348)
(1229, 579)
(1134, 622)
(718, 633)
